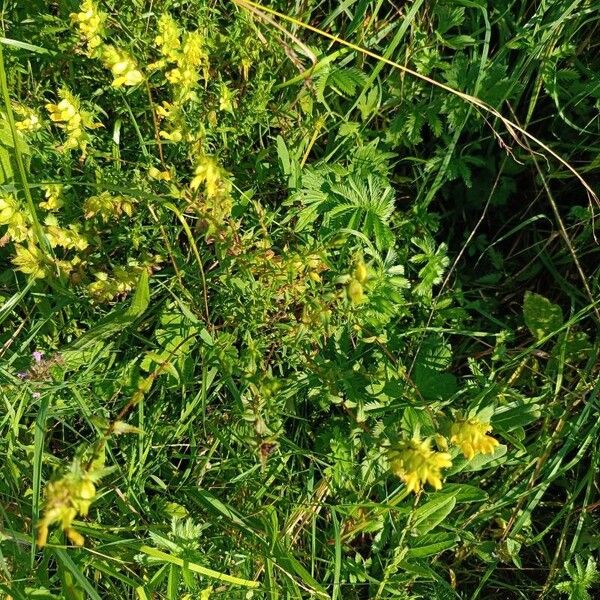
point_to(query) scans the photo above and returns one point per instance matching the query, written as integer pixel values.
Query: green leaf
(542, 317)
(432, 513)
(432, 543)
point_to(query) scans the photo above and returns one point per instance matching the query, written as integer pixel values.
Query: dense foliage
(299, 299)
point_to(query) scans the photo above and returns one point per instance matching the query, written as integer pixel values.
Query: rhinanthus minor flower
(65, 499)
(471, 437)
(416, 464)
(68, 115)
(90, 22)
(122, 66)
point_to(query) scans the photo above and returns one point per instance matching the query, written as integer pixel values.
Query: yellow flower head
(470, 436)
(90, 22)
(416, 464)
(65, 499)
(168, 38)
(30, 120)
(30, 260)
(213, 176)
(12, 215)
(123, 67)
(67, 115)
(53, 195)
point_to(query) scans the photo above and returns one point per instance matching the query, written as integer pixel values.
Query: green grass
(374, 221)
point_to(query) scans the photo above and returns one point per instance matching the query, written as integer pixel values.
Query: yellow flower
(470, 436)
(416, 464)
(67, 115)
(30, 120)
(53, 193)
(159, 175)
(172, 136)
(90, 22)
(122, 66)
(65, 238)
(108, 206)
(214, 178)
(65, 499)
(168, 38)
(12, 215)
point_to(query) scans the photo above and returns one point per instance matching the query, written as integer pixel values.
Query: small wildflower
(416, 464)
(90, 22)
(168, 38)
(214, 178)
(68, 115)
(159, 175)
(30, 260)
(14, 217)
(30, 120)
(122, 66)
(53, 195)
(471, 437)
(66, 498)
(37, 356)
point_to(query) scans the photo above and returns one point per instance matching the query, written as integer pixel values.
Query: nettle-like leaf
(541, 316)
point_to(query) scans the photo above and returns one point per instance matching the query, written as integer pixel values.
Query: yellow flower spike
(471, 437)
(90, 22)
(415, 463)
(30, 120)
(74, 536)
(168, 38)
(66, 498)
(159, 175)
(122, 66)
(360, 272)
(52, 193)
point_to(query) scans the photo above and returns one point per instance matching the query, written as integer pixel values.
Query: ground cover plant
(299, 299)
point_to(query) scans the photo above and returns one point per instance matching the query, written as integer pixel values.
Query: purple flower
(37, 356)
(23, 375)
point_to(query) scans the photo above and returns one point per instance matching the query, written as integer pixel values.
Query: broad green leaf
(432, 513)
(432, 543)
(542, 317)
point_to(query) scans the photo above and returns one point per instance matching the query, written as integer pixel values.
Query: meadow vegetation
(299, 299)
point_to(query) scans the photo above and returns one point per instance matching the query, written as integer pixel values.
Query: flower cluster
(184, 55)
(17, 221)
(355, 288)
(30, 120)
(416, 464)
(108, 206)
(90, 22)
(185, 59)
(471, 437)
(69, 496)
(69, 116)
(122, 66)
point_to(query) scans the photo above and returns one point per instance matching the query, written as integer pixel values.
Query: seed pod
(355, 292)
(360, 273)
